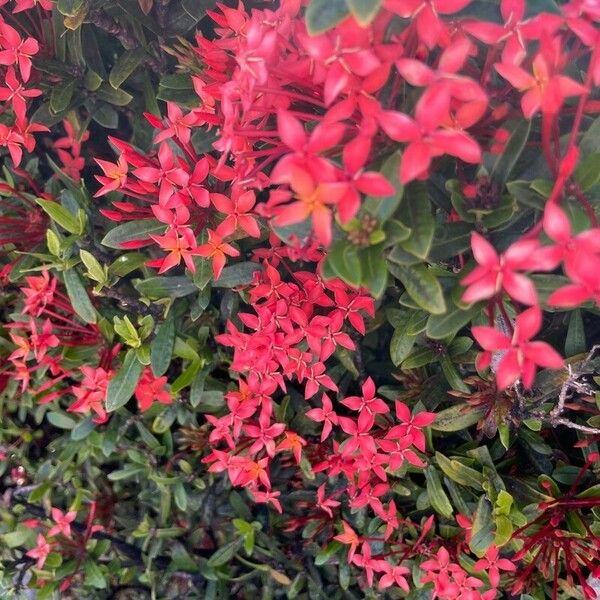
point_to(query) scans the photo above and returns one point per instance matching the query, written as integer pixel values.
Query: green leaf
(452, 375)
(437, 496)
(461, 474)
(482, 532)
(163, 287)
(14, 539)
(126, 263)
(364, 11)
(374, 269)
(419, 357)
(322, 15)
(401, 345)
(225, 553)
(60, 420)
(328, 552)
(83, 429)
(132, 230)
(587, 172)
(384, 208)
(449, 323)
(117, 97)
(60, 96)
(95, 270)
(59, 214)
(415, 212)
(126, 64)
(237, 274)
(512, 151)
(161, 349)
(450, 239)
(343, 260)
(122, 385)
(458, 417)
(575, 342)
(93, 575)
(421, 285)
(79, 297)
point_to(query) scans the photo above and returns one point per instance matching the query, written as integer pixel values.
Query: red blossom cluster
(17, 48)
(49, 328)
(301, 117)
(299, 120)
(61, 538)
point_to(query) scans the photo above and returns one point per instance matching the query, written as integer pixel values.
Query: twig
(128, 303)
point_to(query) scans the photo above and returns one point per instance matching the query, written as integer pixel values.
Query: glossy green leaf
(163, 287)
(458, 417)
(122, 385)
(126, 64)
(344, 261)
(421, 285)
(482, 535)
(236, 275)
(449, 323)
(374, 270)
(161, 348)
(415, 213)
(364, 11)
(132, 231)
(59, 214)
(322, 15)
(79, 297)
(461, 474)
(437, 496)
(575, 341)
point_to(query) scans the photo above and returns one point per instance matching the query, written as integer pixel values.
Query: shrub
(300, 299)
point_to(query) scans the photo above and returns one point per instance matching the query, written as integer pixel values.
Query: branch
(101, 20)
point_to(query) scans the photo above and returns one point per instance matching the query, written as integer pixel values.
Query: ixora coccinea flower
(520, 356)
(299, 295)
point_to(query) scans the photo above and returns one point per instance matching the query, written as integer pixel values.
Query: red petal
(528, 323)
(483, 251)
(415, 161)
(556, 223)
(569, 295)
(508, 371)
(291, 130)
(490, 339)
(520, 288)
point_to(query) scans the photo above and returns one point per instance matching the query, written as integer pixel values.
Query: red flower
(115, 175)
(521, 357)
(544, 90)
(216, 249)
(63, 522)
(325, 415)
(91, 393)
(425, 138)
(16, 93)
(181, 244)
(492, 565)
(497, 272)
(40, 552)
(425, 14)
(237, 208)
(349, 537)
(313, 197)
(17, 50)
(150, 389)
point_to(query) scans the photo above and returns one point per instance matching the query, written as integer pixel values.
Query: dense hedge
(300, 299)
